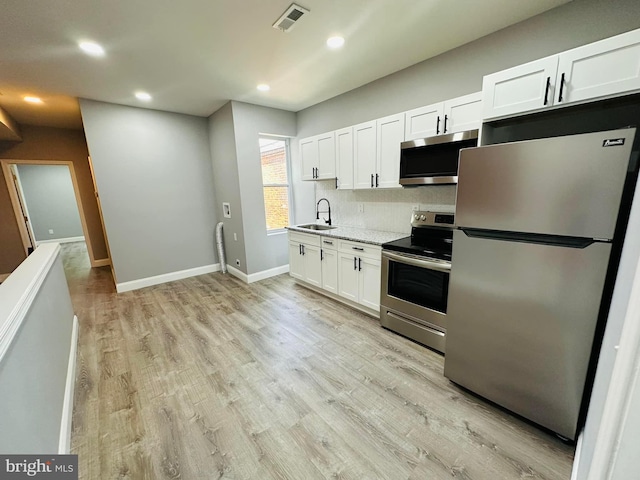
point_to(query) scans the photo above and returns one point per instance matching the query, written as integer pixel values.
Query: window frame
(287, 151)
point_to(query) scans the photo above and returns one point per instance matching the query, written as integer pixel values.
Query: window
(275, 182)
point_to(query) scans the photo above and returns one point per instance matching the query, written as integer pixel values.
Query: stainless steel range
(415, 280)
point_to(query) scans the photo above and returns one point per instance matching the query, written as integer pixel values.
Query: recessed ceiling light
(335, 42)
(92, 48)
(263, 87)
(143, 96)
(31, 99)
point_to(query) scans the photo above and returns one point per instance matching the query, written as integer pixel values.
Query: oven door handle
(417, 261)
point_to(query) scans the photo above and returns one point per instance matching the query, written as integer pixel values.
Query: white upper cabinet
(423, 122)
(603, 69)
(309, 157)
(455, 115)
(390, 134)
(344, 158)
(364, 155)
(463, 113)
(318, 157)
(519, 89)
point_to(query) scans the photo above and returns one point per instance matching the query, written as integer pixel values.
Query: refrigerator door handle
(537, 238)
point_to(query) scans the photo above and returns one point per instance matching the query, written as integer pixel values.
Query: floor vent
(289, 18)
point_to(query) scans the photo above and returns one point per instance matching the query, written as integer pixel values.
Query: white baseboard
(103, 262)
(237, 273)
(64, 444)
(166, 277)
(256, 277)
(61, 240)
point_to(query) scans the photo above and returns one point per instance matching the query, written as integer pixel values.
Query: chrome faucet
(318, 212)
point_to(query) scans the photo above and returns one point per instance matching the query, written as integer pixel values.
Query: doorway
(29, 233)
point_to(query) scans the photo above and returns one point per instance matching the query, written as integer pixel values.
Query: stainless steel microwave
(434, 160)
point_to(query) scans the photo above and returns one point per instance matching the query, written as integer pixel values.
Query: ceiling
(193, 56)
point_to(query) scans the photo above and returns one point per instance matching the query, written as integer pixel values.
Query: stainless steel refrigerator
(536, 220)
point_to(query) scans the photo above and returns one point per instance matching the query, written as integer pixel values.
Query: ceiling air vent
(289, 18)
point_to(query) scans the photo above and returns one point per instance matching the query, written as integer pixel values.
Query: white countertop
(373, 237)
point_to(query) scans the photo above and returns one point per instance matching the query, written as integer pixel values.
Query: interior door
(520, 324)
(30, 245)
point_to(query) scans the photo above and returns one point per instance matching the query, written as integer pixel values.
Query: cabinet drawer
(308, 239)
(329, 243)
(361, 249)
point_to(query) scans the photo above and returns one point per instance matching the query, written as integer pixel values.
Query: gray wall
(263, 251)
(154, 174)
(227, 183)
(51, 201)
(33, 372)
(235, 151)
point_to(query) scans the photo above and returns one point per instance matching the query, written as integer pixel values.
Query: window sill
(279, 231)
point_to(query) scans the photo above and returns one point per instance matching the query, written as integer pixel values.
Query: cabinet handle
(446, 117)
(376, 180)
(546, 91)
(360, 249)
(321, 255)
(336, 183)
(561, 88)
(327, 242)
(355, 263)
(438, 125)
(372, 180)
(359, 264)
(302, 249)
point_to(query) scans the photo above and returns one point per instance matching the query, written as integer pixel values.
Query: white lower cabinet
(344, 268)
(329, 265)
(359, 273)
(304, 258)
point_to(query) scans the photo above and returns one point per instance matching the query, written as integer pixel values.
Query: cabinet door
(312, 266)
(369, 285)
(296, 263)
(309, 157)
(364, 154)
(390, 134)
(344, 158)
(326, 156)
(519, 89)
(463, 113)
(423, 122)
(601, 69)
(329, 260)
(348, 276)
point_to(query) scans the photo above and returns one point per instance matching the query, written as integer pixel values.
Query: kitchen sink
(313, 226)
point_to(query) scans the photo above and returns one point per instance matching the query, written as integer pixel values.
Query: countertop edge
(355, 234)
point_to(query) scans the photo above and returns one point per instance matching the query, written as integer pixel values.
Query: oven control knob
(423, 218)
(416, 217)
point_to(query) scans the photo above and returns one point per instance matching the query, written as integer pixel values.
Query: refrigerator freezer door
(568, 186)
(521, 323)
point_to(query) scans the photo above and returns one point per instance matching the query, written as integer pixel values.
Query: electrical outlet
(237, 262)
(235, 236)
(361, 208)
(50, 231)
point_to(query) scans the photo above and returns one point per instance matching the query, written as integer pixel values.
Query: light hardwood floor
(209, 378)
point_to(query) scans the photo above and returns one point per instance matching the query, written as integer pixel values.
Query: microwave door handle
(418, 262)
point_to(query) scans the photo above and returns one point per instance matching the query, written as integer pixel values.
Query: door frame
(13, 195)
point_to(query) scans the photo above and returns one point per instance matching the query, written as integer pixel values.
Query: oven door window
(419, 285)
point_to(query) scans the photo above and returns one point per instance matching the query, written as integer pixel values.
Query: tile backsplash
(383, 209)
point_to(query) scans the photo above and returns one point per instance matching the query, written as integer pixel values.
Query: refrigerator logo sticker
(613, 142)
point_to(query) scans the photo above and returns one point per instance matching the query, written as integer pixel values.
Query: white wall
(154, 175)
(51, 201)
